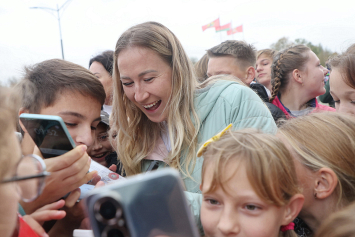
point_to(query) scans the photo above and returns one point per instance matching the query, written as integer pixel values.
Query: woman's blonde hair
(268, 164)
(326, 140)
(8, 121)
(339, 224)
(137, 135)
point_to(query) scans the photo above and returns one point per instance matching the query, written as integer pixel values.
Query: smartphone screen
(49, 136)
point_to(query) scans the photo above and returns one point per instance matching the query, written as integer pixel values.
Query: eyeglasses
(30, 176)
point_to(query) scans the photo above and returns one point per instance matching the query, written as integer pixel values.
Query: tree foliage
(322, 53)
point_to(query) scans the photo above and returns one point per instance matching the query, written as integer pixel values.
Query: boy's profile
(237, 58)
(62, 88)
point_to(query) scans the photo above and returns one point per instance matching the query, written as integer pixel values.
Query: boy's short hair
(44, 81)
(240, 50)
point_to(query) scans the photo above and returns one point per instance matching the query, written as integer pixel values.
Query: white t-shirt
(107, 109)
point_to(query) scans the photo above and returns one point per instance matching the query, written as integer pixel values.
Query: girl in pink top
(298, 78)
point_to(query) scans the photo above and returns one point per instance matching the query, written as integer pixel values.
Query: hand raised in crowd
(68, 172)
(45, 213)
(74, 216)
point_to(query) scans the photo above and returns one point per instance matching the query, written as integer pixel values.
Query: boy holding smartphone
(62, 88)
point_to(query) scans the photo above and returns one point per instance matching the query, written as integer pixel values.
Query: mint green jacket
(217, 106)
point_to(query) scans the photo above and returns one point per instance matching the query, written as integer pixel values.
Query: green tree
(281, 44)
(322, 53)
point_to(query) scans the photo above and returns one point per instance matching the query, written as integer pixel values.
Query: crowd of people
(285, 167)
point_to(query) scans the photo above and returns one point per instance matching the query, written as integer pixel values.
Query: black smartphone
(49, 133)
(151, 204)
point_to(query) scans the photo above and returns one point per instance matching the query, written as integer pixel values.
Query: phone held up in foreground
(149, 205)
(49, 133)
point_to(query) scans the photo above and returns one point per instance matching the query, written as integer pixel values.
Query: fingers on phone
(70, 201)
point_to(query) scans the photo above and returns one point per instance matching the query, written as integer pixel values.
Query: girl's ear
(293, 208)
(297, 76)
(325, 183)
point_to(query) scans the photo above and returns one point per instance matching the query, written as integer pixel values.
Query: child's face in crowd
(147, 81)
(9, 196)
(225, 65)
(80, 113)
(343, 95)
(263, 70)
(102, 146)
(315, 73)
(239, 211)
(104, 76)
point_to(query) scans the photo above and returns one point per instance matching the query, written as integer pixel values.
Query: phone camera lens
(114, 233)
(107, 210)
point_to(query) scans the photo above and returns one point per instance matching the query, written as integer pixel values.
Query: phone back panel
(153, 204)
(49, 134)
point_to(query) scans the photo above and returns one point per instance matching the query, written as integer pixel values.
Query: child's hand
(74, 216)
(68, 172)
(113, 168)
(49, 212)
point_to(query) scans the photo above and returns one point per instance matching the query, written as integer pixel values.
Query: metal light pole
(58, 17)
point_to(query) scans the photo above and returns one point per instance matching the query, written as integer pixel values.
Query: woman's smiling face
(147, 81)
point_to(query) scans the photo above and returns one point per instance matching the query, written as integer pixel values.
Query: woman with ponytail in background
(298, 79)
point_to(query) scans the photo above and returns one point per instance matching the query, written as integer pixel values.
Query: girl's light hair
(8, 118)
(339, 224)
(294, 57)
(201, 67)
(137, 135)
(268, 164)
(270, 53)
(326, 140)
(346, 65)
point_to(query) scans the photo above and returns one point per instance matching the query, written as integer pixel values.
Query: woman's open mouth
(153, 106)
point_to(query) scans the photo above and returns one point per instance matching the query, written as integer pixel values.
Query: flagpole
(243, 31)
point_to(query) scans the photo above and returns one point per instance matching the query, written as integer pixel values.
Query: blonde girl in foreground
(249, 187)
(322, 146)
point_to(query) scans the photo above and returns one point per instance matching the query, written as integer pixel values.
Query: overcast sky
(28, 36)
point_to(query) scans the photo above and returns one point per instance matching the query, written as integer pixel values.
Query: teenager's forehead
(74, 104)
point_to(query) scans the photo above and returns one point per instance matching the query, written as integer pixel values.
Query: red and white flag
(235, 30)
(214, 23)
